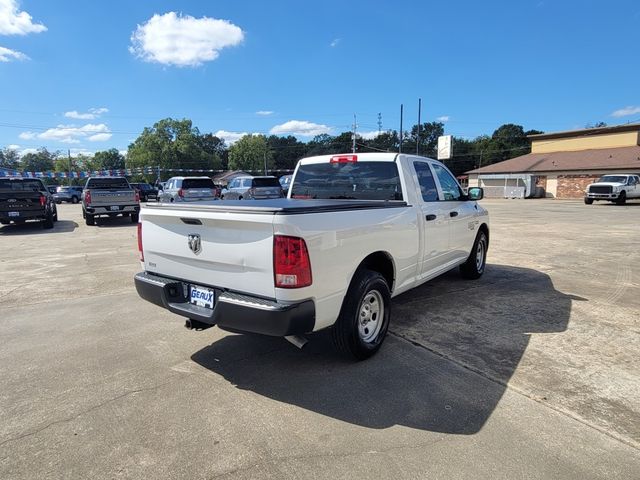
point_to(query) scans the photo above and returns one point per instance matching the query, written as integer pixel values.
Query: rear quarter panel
(337, 244)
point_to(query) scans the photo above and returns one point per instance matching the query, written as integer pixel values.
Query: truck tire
(622, 198)
(588, 201)
(364, 317)
(74, 199)
(48, 220)
(89, 219)
(134, 218)
(473, 268)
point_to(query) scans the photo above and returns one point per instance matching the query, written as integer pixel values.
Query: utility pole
(353, 135)
(401, 114)
(264, 156)
(69, 155)
(379, 123)
(418, 140)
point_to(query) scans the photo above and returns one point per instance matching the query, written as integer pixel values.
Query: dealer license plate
(201, 296)
(114, 207)
(14, 214)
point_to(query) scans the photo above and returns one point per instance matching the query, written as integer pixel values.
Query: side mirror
(475, 193)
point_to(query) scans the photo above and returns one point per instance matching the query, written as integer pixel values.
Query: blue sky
(88, 75)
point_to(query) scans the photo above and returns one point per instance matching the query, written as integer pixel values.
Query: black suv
(23, 199)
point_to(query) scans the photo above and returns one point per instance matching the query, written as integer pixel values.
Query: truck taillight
(140, 241)
(87, 197)
(137, 196)
(291, 264)
(181, 193)
(43, 200)
(343, 159)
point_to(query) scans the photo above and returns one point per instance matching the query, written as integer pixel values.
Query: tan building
(562, 164)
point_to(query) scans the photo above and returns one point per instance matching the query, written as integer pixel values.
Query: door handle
(453, 214)
(430, 217)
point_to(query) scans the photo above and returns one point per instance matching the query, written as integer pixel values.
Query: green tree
(249, 153)
(286, 151)
(41, 161)
(110, 159)
(173, 144)
(386, 142)
(428, 138)
(9, 158)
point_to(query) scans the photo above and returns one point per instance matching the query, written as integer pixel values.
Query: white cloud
(7, 55)
(100, 137)
(14, 22)
(230, 137)
(335, 42)
(71, 133)
(183, 40)
(24, 151)
(369, 135)
(301, 128)
(13, 147)
(27, 135)
(90, 115)
(264, 113)
(443, 118)
(626, 111)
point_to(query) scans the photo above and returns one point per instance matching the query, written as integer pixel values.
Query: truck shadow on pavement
(453, 346)
(35, 228)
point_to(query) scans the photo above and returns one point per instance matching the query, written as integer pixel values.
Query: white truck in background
(617, 188)
(355, 231)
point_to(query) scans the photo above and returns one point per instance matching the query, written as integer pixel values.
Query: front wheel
(622, 198)
(588, 201)
(364, 318)
(473, 268)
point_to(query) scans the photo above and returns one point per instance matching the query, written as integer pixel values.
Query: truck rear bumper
(108, 210)
(236, 312)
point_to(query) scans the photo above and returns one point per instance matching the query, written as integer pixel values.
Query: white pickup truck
(355, 231)
(616, 188)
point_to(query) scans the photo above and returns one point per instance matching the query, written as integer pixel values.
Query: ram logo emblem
(195, 243)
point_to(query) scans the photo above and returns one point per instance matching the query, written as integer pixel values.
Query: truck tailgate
(112, 197)
(236, 250)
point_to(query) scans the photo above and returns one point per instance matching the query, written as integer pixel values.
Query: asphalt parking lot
(530, 372)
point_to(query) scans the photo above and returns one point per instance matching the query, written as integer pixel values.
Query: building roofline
(630, 127)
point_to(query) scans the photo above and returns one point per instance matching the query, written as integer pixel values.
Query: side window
(246, 182)
(450, 188)
(232, 184)
(426, 182)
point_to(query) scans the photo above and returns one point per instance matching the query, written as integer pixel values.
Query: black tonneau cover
(279, 206)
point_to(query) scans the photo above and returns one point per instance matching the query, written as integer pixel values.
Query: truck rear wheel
(473, 268)
(89, 219)
(134, 218)
(48, 220)
(364, 318)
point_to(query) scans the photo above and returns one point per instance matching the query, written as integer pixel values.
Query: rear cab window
(21, 185)
(107, 183)
(348, 181)
(197, 183)
(265, 182)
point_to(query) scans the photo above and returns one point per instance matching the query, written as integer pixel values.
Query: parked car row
(23, 199)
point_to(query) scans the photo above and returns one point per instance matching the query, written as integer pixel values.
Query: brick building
(562, 164)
